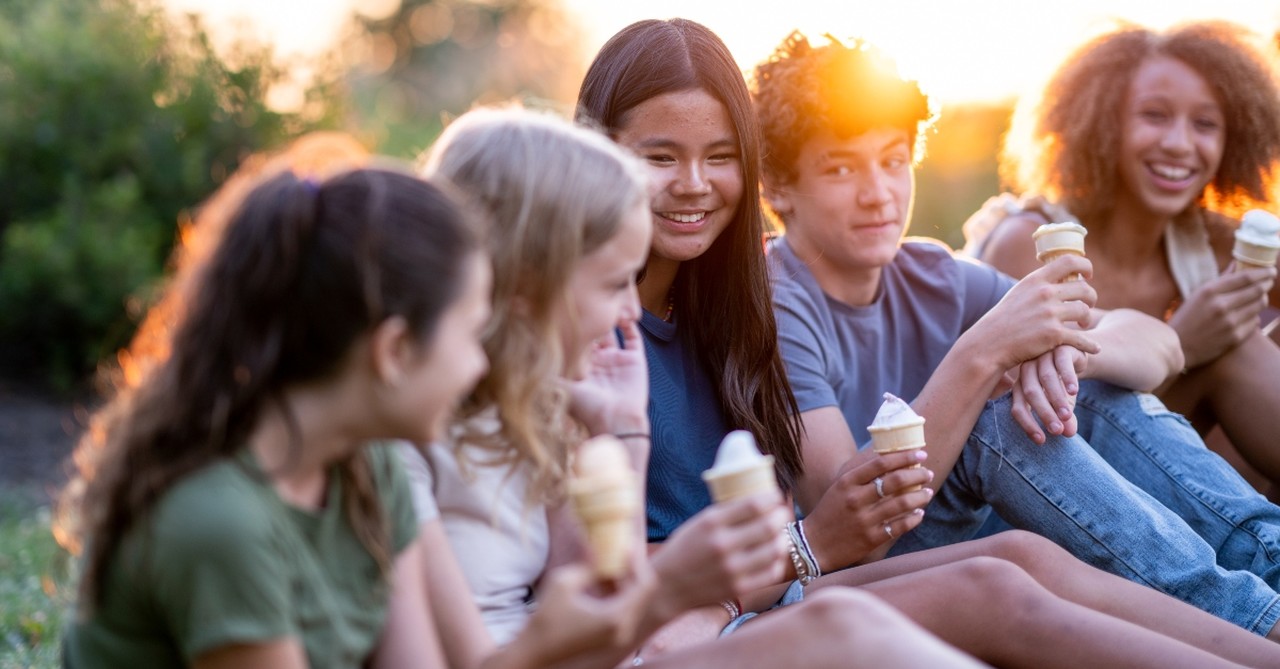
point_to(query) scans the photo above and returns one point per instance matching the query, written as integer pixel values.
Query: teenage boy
(1107, 473)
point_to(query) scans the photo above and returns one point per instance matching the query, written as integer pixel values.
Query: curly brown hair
(802, 90)
(1061, 141)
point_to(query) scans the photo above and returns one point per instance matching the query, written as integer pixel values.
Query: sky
(960, 50)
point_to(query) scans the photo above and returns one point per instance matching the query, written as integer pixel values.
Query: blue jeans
(1158, 451)
(1065, 491)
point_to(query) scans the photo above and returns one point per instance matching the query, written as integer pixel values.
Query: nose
(1177, 136)
(873, 192)
(631, 305)
(692, 180)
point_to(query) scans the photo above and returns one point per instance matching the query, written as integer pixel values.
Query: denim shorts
(794, 594)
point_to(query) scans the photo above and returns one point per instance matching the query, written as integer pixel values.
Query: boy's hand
(1041, 313)
(1045, 393)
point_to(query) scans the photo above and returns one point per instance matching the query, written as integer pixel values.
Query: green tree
(430, 59)
(113, 119)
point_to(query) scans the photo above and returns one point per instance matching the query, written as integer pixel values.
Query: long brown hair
(297, 270)
(1061, 143)
(723, 295)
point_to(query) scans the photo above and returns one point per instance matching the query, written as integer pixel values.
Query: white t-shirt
(501, 543)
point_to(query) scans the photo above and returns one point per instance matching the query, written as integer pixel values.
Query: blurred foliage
(113, 119)
(429, 60)
(36, 585)
(959, 170)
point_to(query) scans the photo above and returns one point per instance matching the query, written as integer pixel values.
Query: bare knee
(1033, 553)
(1001, 587)
(849, 614)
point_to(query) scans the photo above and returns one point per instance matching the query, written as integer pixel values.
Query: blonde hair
(555, 192)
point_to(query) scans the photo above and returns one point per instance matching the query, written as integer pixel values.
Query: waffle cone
(1254, 255)
(896, 439)
(609, 512)
(743, 482)
(1059, 243)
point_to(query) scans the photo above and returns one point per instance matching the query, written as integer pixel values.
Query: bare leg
(996, 611)
(1240, 391)
(835, 629)
(1074, 581)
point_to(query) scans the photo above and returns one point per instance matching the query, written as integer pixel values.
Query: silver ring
(879, 486)
(888, 530)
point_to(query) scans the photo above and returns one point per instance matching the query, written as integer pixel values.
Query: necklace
(671, 307)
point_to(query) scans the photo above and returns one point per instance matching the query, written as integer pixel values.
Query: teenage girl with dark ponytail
(228, 508)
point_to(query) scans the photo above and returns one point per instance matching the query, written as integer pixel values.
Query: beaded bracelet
(793, 549)
(733, 607)
(806, 553)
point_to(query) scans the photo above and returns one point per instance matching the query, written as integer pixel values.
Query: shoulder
(219, 506)
(1221, 230)
(1009, 247)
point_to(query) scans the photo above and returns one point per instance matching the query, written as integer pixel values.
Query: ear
(779, 198)
(392, 348)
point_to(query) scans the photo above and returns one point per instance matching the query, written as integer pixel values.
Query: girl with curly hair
(1157, 142)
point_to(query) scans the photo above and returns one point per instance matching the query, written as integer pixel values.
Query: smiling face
(602, 290)
(689, 144)
(1174, 132)
(849, 201)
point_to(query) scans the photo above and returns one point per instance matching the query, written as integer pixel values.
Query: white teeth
(1172, 173)
(686, 218)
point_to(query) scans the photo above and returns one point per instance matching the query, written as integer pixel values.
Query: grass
(35, 591)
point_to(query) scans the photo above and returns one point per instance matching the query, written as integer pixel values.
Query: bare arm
(1138, 352)
(1010, 249)
(451, 605)
(409, 637)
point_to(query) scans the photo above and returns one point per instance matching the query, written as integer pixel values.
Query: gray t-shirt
(848, 357)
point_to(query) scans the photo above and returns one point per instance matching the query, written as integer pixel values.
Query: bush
(112, 121)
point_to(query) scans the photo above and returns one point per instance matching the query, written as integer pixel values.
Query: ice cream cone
(605, 494)
(897, 428)
(740, 470)
(1257, 240)
(1054, 240)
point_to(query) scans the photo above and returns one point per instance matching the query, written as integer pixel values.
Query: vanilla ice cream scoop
(1259, 227)
(895, 413)
(739, 469)
(738, 451)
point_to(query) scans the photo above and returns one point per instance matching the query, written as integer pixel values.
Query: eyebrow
(845, 153)
(667, 143)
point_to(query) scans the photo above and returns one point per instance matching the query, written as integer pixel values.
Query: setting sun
(960, 50)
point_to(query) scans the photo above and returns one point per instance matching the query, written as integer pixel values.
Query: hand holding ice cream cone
(897, 427)
(606, 494)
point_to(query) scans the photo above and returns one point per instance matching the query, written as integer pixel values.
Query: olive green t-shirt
(222, 560)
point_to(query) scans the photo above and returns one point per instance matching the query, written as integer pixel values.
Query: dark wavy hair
(801, 90)
(722, 295)
(296, 271)
(1061, 143)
